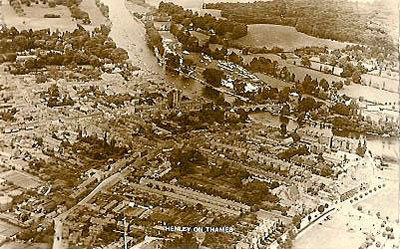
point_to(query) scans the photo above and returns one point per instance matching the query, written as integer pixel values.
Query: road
(58, 228)
(58, 221)
(106, 183)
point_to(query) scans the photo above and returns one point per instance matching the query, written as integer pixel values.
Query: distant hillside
(339, 20)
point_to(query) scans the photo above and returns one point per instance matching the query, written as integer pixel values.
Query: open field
(268, 119)
(34, 19)
(20, 179)
(318, 66)
(386, 147)
(7, 229)
(273, 82)
(384, 202)
(301, 72)
(268, 35)
(381, 83)
(16, 245)
(248, 58)
(332, 235)
(369, 93)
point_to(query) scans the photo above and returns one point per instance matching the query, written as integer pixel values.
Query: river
(129, 34)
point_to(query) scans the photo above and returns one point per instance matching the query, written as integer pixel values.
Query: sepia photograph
(199, 124)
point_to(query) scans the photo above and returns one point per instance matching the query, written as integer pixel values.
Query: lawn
(386, 201)
(273, 82)
(301, 72)
(381, 83)
(34, 17)
(370, 93)
(269, 35)
(332, 234)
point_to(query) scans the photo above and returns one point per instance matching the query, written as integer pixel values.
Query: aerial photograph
(199, 124)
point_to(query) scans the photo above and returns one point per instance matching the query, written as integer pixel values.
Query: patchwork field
(268, 35)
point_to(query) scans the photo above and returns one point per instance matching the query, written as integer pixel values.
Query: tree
(326, 171)
(321, 208)
(307, 104)
(308, 85)
(361, 149)
(283, 129)
(323, 84)
(213, 76)
(348, 70)
(233, 57)
(323, 58)
(341, 109)
(283, 95)
(338, 85)
(296, 220)
(284, 121)
(188, 62)
(20, 42)
(285, 110)
(356, 76)
(305, 61)
(300, 118)
(172, 62)
(52, 4)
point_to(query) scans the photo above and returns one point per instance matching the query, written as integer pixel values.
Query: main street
(111, 180)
